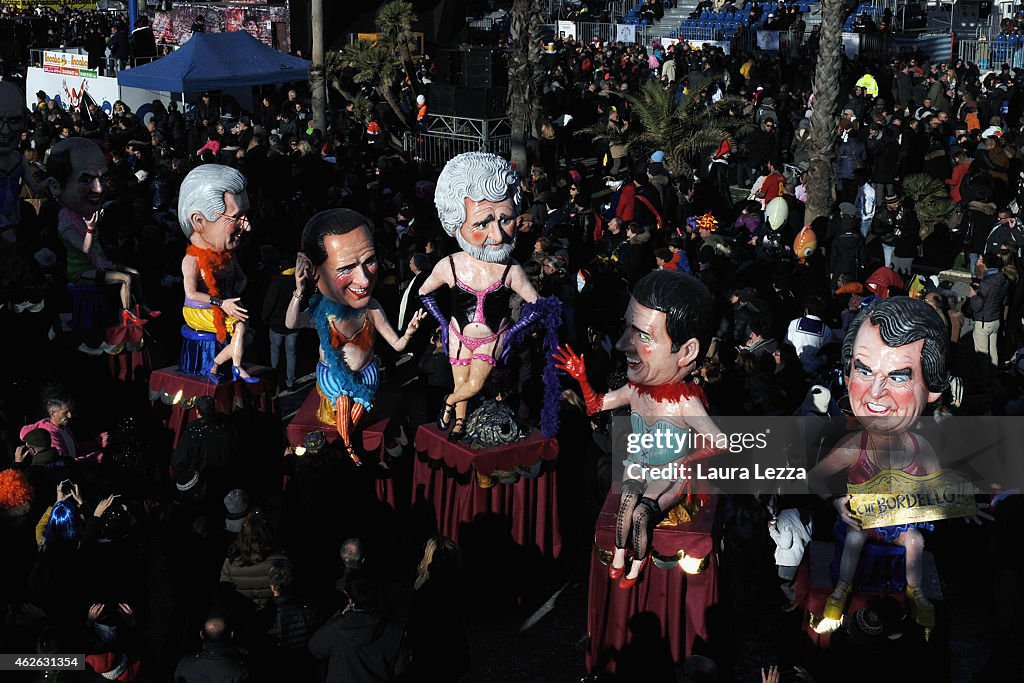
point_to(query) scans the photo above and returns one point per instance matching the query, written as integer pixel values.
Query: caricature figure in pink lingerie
(894, 357)
(478, 202)
(668, 328)
(78, 168)
(14, 170)
(339, 257)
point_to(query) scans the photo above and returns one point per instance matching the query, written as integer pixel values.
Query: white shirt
(808, 334)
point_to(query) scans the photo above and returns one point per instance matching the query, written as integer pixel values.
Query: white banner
(625, 33)
(768, 40)
(566, 29)
(851, 45)
(67, 90)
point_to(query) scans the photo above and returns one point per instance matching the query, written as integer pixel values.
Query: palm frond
(697, 144)
(375, 62)
(605, 133)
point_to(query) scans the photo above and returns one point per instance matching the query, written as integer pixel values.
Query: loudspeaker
(471, 103)
(481, 103)
(441, 98)
(448, 67)
(485, 67)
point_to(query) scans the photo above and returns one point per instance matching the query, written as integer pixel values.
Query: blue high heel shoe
(211, 375)
(236, 376)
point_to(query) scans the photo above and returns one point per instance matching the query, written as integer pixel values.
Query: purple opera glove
(430, 303)
(529, 315)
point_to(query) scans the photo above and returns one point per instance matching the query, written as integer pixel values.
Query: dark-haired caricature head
(894, 357)
(339, 245)
(668, 328)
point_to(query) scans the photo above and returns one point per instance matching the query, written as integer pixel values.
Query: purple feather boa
(549, 316)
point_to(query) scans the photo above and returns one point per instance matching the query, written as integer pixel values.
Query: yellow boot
(921, 609)
(836, 603)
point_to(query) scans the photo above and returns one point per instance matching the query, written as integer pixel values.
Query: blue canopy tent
(215, 61)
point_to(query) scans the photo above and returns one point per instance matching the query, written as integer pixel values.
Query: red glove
(697, 456)
(566, 359)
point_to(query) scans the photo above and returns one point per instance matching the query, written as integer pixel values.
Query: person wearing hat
(236, 503)
(888, 225)
(718, 195)
(421, 108)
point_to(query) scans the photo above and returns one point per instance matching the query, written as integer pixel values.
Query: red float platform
(814, 584)
(460, 483)
(228, 395)
(679, 600)
(305, 421)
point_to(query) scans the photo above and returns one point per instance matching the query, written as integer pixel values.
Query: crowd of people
(196, 560)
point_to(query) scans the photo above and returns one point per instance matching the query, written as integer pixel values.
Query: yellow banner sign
(67, 64)
(54, 4)
(894, 497)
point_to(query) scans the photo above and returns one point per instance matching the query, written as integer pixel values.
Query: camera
(67, 487)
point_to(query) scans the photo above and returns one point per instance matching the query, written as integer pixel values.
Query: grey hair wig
(481, 176)
(203, 190)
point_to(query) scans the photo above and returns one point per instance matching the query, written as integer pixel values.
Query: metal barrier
(989, 55)
(449, 136)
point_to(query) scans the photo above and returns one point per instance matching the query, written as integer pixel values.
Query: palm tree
(823, 116)
(523, 76)
(394, 28)
(317, 85)
(376, 65)
(684, 131)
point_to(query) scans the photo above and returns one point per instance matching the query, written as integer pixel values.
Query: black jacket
(361, 646)
(986, 305)
(275, 303)
(215, 663)
(848, 253)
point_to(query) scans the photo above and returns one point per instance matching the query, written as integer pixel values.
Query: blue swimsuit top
(669, 452)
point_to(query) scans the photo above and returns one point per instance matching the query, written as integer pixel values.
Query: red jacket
(626, 208)
(959, 171)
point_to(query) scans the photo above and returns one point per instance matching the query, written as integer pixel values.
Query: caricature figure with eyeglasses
(212, 210)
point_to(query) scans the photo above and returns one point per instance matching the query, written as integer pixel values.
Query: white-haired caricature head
(212, 206)
(478, 201)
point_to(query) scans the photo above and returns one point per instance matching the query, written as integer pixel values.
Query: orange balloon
(805, 243)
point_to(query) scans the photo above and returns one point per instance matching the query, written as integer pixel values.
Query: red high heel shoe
(616, 573)
(148, 312)
(128, 319)
(625, 582)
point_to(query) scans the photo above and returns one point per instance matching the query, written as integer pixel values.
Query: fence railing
(744, 41)
(448, 136)
(989, 55)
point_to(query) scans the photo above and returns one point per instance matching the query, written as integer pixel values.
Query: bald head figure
(215, 630)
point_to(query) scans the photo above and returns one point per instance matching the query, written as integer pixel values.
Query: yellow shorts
(201, 319)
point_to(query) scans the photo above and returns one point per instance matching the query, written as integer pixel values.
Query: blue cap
(658, 157)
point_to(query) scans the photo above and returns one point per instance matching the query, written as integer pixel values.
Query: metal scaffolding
(447, 136)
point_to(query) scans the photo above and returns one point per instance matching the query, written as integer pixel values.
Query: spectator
(218, 660)
(360, 643)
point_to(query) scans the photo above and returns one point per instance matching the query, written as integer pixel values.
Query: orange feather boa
(212, 263)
